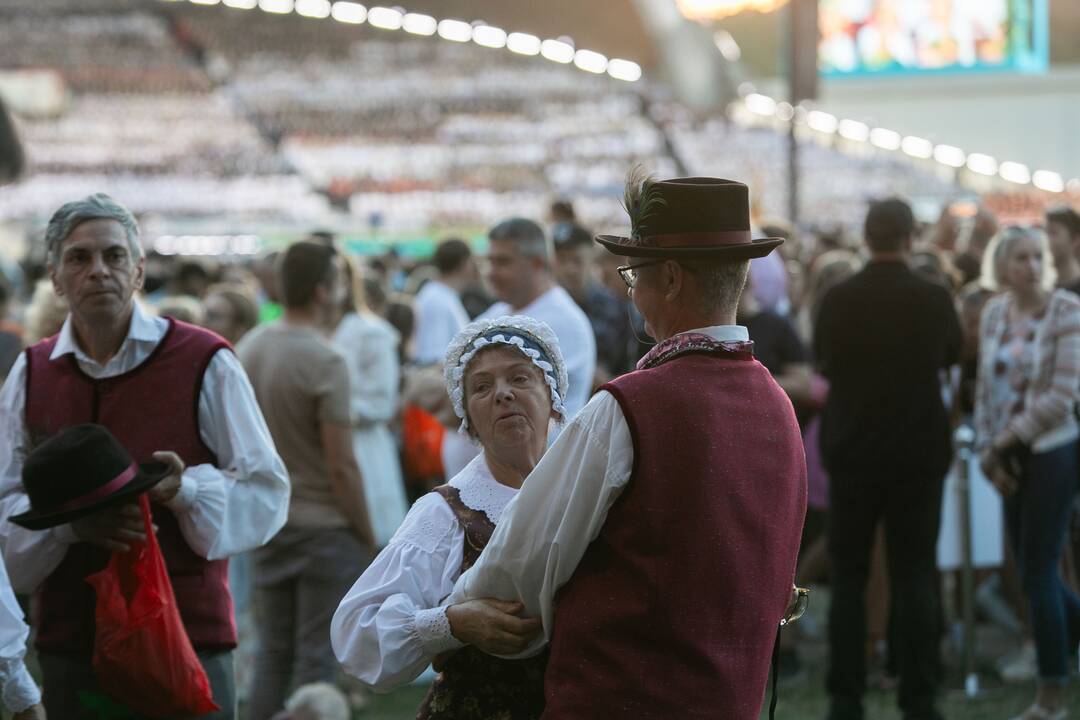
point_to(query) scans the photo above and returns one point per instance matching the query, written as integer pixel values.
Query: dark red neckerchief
(693, 342)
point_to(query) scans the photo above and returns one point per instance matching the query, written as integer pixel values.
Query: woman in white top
(370, 346)
(1026, 393)
(506, 378)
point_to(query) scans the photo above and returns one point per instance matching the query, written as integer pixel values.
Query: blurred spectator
(519, 272)
(561, 211)
(778, 347)
(370, 346)
(190, 277)
(1063, 230)
(1026, 432)
(229, 310)
(882, 338)
(439, 314)
(575, 269)
(302, 385)
(769, 275)
(46, 313)
(11, 341)
(183, 308)
(265, 270)
(969, 262)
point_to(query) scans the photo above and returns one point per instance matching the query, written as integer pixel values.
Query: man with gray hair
(520, 275)
(169, 392)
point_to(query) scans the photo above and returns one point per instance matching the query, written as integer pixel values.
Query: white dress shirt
(17, 689)
(560, 510)
(576, 339)
(439, 317)
(222, 510)
(392, 622)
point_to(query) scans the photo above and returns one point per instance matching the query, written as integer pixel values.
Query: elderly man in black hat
(667, 515)
(168, 392)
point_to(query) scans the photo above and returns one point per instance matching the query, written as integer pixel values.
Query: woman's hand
(492, 626)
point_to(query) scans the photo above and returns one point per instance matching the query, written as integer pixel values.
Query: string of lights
(394, 19)
(913, 146)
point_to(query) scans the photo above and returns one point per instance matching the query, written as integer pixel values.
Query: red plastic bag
(422, 438)
(142, 654)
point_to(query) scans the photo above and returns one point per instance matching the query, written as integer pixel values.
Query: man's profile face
(95, 271)
(647, 295)
(509, 273)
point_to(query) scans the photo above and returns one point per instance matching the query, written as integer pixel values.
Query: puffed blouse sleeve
(391, 624)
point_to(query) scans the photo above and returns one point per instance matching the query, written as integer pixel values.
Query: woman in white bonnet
(507, 379)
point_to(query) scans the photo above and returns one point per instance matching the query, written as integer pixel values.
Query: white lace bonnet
(534, 338)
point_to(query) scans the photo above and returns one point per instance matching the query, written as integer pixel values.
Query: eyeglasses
(628, 273)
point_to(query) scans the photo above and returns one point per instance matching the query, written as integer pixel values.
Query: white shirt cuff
(185, 496)
(20, 691)
(433, 629)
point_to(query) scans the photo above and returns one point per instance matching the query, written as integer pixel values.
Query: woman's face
(1023, 265)
(507, 401)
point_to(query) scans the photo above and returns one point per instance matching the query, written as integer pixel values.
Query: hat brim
(149, 475)
(761, 247)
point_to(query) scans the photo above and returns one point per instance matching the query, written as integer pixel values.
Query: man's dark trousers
(909, 505)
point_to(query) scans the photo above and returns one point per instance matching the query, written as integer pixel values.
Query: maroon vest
(153, 407)
(674, 609)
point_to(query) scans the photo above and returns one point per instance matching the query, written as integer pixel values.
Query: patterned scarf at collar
(684, 343)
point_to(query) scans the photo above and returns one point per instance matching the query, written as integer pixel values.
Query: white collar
(144, 328)
(481, 491)
(723, 333)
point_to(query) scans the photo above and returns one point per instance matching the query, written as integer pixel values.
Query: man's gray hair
(528, 236)
(98, 206)
(720, 282)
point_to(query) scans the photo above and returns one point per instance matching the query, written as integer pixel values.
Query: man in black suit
(883, 339)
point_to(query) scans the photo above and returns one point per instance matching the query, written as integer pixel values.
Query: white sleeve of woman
(17, 688)
(392, 622)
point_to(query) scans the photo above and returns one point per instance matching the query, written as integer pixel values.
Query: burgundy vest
(154, 406)
(674, 609)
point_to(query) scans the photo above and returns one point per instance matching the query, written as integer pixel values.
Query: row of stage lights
(911, 145)
(488, 36)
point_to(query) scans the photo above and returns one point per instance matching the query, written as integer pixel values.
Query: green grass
(806, 700)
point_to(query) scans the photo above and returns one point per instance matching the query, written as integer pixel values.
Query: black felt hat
(696, 217)
(79, 471)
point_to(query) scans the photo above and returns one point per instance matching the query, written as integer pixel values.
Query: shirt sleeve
(31, 555)
(545, 530)
(392, 623)
(17, 689)
(329, 382)
(242, 502)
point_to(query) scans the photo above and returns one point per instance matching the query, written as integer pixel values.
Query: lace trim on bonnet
(533, 338)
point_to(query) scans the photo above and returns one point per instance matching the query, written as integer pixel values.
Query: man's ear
(672, 277)
(140, 273)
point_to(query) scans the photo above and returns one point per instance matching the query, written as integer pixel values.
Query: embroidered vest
(472, 685)
(152, 407)
(674, 608)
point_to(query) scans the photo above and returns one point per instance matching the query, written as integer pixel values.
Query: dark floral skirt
(472, 685)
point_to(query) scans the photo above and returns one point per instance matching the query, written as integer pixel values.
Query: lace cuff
(433, 629)
(19, 691)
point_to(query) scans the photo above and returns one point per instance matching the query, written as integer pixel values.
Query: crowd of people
(322, 414)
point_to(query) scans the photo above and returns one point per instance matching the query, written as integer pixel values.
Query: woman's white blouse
(392, 622)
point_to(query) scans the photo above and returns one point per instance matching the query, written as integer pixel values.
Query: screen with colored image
(873, 37)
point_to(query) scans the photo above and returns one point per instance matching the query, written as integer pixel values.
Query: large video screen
(875, 37)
